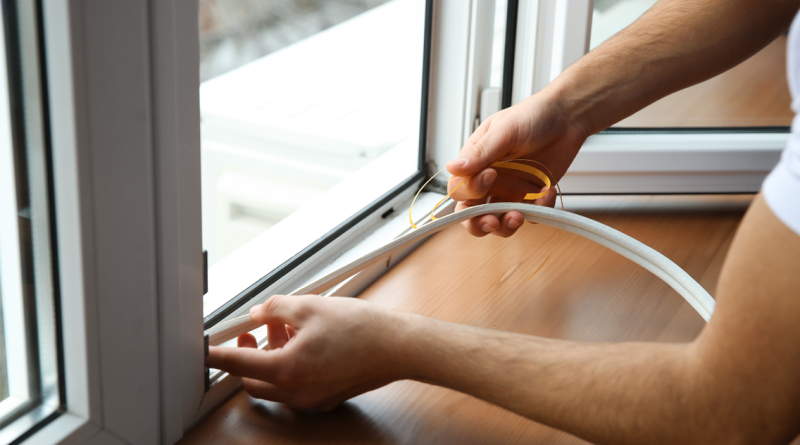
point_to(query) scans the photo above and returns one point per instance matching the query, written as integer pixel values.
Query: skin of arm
(676, 44)
(736, 383)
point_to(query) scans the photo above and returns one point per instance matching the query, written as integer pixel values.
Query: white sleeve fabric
(781, 189)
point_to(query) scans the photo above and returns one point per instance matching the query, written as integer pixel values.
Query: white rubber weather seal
(615, 240)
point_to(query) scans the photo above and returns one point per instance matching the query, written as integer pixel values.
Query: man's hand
(675, 44)
(322, 351)
(535, 129)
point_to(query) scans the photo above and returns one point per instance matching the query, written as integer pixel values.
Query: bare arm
(736, 383)
(677, 43)
(674, 45)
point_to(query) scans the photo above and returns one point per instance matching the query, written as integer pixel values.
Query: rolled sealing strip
(639, 253)
(511, 165)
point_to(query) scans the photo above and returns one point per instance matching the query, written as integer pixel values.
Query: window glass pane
(29, 351)
(310, 111)
(753, 94)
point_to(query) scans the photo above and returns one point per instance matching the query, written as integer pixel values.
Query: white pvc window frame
(258, 269)
(459, 69)
(123, 100)
(127, 210)
(396, 172)
(553, 34)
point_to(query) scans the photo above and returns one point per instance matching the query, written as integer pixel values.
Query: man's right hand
(537, 129)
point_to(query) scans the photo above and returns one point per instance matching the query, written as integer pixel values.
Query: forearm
(607, 393)
(676, 44)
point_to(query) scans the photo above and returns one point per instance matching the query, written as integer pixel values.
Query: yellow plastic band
(527, 169)
(511, 165)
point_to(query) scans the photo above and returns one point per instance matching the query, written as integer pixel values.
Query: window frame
(553, 35)
(149, 227)
(128, 205)
(127, 200)
(242, 285)
(458, 71)
(315, 255)
(473, 21)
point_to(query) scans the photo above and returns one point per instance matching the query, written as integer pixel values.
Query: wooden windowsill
(585, 292)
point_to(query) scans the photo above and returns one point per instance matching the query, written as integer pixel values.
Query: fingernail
(513, 224)
(487, 228)
(459, 162)
(254, 309)
(551, 194)
(488, 178)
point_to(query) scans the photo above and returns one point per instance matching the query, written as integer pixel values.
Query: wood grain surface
(585, 292)
(753, 94)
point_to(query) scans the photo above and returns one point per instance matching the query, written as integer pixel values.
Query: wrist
(429, 350)
(573, 102)
(407, 337)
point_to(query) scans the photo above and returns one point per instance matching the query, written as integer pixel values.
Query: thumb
(281, 309)
(488, 144)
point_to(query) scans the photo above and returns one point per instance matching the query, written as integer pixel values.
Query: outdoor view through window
(297, 97)
(753, 94)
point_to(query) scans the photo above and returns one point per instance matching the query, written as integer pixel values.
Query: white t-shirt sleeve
(782, 187)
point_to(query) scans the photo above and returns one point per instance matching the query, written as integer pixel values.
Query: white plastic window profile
(551, 35)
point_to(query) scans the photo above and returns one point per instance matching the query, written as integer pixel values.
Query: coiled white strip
(617, 241)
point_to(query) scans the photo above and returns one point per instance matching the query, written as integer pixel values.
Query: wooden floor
(753, 94)
(585, 292)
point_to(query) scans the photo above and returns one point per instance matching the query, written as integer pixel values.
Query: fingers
(489, 143)
(474, 187)
(509, 187)
(244, 362)
(480, 226)
(509, 224)
(297, 399)
(267, 391)
(247, 341)
(283, 310)
(469, 161)
(277, 336)
(548, 200)
(506, 224)
(276, 313)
